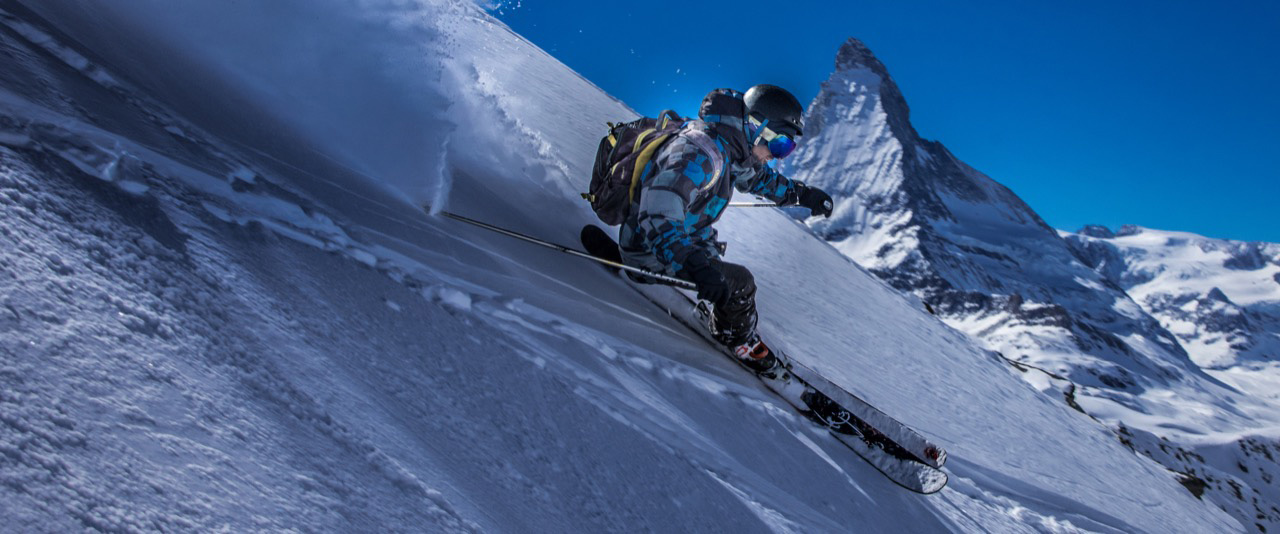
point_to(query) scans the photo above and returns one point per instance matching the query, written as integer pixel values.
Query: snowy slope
(224, 309)
(971, 250)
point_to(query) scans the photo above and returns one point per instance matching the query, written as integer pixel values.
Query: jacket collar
(723, 110)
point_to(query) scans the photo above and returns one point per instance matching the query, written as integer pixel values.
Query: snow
(253, 325)
(1220, 302)
(1192, 262)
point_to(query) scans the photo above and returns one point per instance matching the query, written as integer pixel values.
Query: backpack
(622, 159)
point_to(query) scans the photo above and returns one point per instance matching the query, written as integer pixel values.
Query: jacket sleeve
(682, 169)
(762, 180)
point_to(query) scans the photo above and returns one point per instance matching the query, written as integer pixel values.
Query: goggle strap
(758, 126)
(762, 132)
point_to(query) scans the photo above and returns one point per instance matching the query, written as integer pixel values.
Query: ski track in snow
(206, 327)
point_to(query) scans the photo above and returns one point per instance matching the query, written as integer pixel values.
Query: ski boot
(756, 356)
(752, 352)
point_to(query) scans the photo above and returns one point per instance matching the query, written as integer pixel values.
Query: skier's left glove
(817, 200)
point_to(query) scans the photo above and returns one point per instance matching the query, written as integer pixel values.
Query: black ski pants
(737, 316)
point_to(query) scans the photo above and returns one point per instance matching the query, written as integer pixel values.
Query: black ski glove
(817, 200)
(706, 275)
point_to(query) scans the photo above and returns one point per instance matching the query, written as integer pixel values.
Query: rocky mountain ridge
(1075, 312)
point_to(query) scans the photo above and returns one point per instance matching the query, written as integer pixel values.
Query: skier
(667, 180)
(668, 228)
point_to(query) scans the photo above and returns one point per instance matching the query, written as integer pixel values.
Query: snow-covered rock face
(929, 224)
(1109, 317)
(1219, 297)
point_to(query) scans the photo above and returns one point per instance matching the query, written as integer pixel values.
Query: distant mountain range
(1220, 298)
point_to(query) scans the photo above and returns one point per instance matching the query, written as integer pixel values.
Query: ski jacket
(689, 183)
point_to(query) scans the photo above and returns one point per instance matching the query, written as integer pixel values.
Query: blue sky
(1161, 114)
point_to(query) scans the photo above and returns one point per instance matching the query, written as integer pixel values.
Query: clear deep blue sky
(1161, 114)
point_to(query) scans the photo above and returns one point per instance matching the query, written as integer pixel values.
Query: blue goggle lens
(781, 146)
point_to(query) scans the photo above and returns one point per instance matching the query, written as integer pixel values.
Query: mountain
(974, 253)
(223, 307)
(1221, 298)
(927, 223)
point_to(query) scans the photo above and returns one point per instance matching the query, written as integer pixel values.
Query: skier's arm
(763, 181)
(771, 184)
(663, 216)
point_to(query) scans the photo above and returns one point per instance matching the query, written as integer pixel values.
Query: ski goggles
(780, 145)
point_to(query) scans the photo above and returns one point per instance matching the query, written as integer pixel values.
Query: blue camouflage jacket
(687, 185)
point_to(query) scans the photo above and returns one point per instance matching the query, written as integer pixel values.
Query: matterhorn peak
(854, 54)
(859, 74)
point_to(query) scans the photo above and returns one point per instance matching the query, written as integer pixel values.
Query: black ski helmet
(779, 106)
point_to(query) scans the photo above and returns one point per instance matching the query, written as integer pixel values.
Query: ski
(921, 449)
(897, 451)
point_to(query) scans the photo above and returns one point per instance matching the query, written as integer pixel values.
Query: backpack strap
(640, 138)
(642, 162)
(667, 117)
(613, 137)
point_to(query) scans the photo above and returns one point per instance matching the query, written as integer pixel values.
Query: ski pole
(661, 277)
(753, 205)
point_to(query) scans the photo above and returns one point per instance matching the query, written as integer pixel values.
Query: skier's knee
(741, 281)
